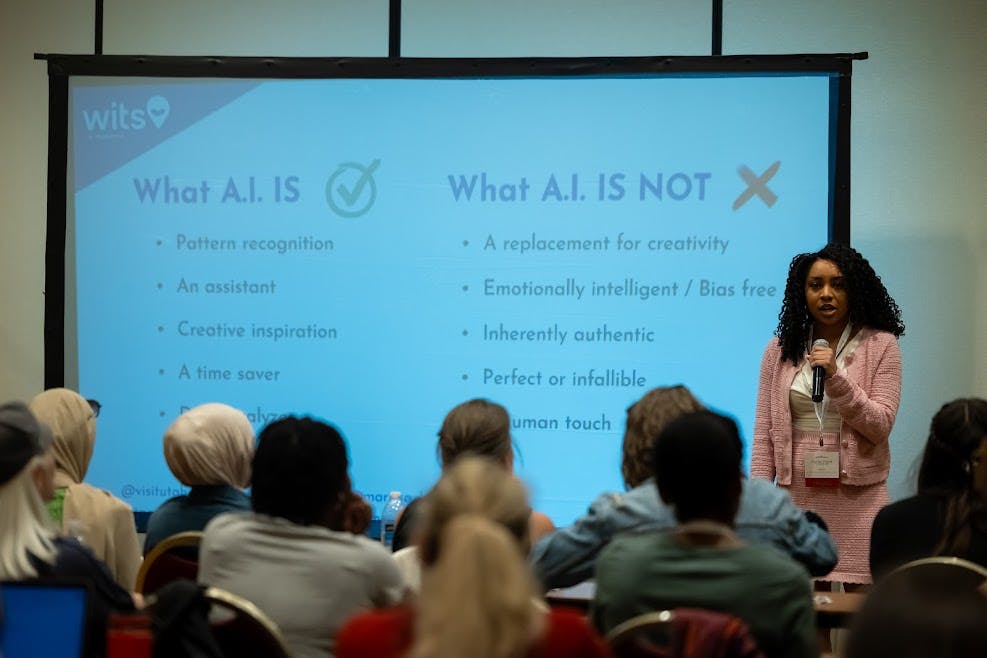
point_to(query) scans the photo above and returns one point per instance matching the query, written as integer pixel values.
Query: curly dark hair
(870, 303)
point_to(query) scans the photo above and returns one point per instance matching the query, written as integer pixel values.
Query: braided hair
(870, 303)
(957, 430)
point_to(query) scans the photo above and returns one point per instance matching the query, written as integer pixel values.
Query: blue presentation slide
(375, 251)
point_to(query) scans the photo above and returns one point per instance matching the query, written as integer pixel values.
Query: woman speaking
(827, 397)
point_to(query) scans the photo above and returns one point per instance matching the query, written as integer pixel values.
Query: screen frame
(61, 67)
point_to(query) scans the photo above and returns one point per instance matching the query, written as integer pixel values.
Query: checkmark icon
(351, 190)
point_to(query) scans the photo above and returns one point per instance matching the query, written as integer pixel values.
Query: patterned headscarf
(210, 444)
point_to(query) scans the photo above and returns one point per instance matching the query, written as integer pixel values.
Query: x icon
(757, 185)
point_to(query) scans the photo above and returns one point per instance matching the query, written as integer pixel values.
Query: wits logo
(118, 116)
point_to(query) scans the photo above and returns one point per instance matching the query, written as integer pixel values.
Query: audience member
(949, 514)
(406, 528)
(478, 597)
(103, 522)
(767, 515)
(476, 427)
(208, 448)
(481, 427)
(702, 563)
(30, 547)
(914, 614)
(298, 556)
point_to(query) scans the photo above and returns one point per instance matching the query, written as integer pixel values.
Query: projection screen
(372, 242)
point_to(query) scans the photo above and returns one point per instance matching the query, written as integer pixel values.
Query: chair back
(172, 559)
(930, 607)
(244, 631)
(683, 633)
(942, 570)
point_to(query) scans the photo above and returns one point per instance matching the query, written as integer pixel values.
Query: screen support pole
(717, 47)
(98, 29)
(394, 29)
(54, 292)
(841, 202)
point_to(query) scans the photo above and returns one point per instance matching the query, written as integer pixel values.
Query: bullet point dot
(161, 414)
(465, 332)
(160, 286)
(466, 377)
(159, 243)
(466, 243)
(465, 288)
(160, 328)
(161, 372)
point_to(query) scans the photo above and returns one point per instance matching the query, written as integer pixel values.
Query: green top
(56, 504)
(650, 571)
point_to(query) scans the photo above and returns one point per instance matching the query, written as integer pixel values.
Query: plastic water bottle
(389, 518)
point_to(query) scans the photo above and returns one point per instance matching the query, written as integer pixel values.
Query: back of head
(299, 470)
(907, 615)
(951, 470)
(957, 430)
(697, 466)
(73, 424)
(25, 528)
(474, 540)
(477, 486)
(476, 427)
(210, 444)
(646, 418)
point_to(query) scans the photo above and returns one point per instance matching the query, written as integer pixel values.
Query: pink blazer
(866, 392)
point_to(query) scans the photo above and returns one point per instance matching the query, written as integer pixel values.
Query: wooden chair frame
(244, 608)
(659, 621)
(958, 564)
(942, 560)
(179, 540)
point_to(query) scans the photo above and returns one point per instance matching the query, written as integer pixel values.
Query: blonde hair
(27, 529)
(475, 538)
(210, 444)
(646, 418)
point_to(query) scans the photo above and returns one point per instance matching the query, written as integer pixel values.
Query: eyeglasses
(95, 406)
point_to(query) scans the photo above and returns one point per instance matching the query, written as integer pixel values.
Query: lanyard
(821, 407)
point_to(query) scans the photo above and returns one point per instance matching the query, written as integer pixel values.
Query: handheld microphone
(818, 373)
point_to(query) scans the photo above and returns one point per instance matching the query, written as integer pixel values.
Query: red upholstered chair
(683, 633)
(170, 560)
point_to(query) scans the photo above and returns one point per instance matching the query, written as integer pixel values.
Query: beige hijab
(73, 425)
(104, 523)
(210, 444)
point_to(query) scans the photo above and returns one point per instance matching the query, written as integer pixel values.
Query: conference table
(833, 609)
(836, 609)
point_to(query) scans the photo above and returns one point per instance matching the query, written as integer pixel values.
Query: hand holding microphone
(823, 363)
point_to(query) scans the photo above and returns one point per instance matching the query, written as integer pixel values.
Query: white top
(411, 567)
(818, 416)
(308, 579)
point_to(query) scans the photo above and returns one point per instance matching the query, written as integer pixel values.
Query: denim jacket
(766, 516)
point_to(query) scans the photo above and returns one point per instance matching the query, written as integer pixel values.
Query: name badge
(822, 468)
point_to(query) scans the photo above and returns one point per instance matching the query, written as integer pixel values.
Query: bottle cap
(395, 494)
